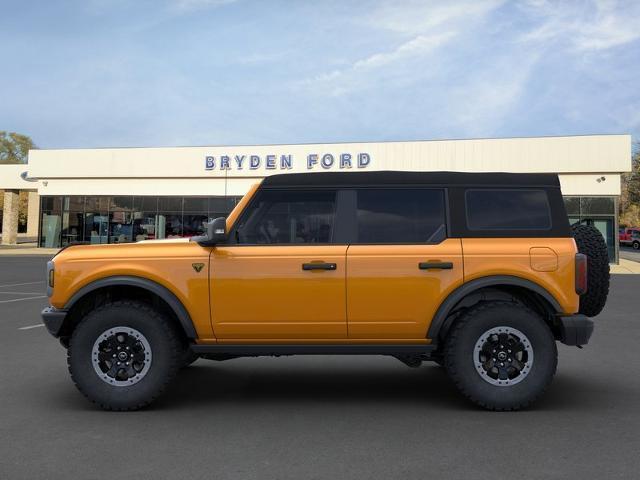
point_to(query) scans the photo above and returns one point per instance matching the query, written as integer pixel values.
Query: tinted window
(401, 216)
(281, 217)
(508, 209)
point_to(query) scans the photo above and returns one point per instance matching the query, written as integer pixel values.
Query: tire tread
(450, 360)
(176, 348)
(590, 242)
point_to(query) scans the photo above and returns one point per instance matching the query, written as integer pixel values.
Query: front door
(281, 276)
(401, 265)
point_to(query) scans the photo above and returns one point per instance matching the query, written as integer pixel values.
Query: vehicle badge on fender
(198, 266)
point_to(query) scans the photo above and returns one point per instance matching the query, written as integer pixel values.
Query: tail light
(581, 274)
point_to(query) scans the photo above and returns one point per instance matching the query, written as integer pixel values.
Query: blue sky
(100, 73)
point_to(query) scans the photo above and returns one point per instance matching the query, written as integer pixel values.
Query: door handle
(319, 266)
(435, 265)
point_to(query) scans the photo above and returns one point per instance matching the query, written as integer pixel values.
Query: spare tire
(590, 242)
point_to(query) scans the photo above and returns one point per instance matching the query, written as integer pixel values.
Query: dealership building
(116, 195)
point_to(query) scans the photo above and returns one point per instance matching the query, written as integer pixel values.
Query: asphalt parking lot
(315, 417)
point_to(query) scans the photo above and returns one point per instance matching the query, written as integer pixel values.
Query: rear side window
(523, 209)
(400, 216)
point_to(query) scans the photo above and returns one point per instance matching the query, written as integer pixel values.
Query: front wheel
(123, 355)
(501, 355)
(636, 245)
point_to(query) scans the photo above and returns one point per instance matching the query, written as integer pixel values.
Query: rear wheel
(501, 355)
(123, 355)
(636, 245)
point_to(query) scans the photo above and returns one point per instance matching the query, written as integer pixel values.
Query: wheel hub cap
(503, 356)
(121, 356)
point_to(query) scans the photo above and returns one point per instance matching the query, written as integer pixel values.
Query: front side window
(491, 209)
(288, 217)
(400, 216)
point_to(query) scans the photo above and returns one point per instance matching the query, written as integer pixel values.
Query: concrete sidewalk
(626, 267)
(27, 250)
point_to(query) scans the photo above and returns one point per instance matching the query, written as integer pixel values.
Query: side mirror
(216, 233)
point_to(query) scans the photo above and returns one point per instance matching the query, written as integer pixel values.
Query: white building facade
(117, 195)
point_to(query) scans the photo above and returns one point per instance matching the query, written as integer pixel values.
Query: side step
(253, 350)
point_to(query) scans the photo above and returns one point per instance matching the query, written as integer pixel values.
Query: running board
(252, 350)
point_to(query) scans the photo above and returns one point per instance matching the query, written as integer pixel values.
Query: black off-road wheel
(501, 355)
(123, 355)
(590, 242)
(636, 245)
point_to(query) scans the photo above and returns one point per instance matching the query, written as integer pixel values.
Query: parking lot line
(20, 293)
(21, 299)
(17, 284)
(31, 326)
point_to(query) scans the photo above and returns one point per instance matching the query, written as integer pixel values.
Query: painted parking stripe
(21, 299)
(20, 293)
(32, 326)
(17, 284)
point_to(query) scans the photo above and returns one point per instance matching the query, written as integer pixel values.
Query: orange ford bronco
(479, 272)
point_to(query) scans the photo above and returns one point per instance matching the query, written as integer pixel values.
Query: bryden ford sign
(312, 161)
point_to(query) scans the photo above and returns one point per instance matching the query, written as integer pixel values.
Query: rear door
(401, 265)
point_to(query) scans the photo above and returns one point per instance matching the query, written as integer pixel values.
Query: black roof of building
(413, 178)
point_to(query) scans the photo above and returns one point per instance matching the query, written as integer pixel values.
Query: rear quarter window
(507, 209)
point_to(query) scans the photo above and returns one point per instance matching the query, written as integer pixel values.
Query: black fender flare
(127, 280)
(440, 318)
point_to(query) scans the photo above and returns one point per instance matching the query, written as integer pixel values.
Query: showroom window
(599, 212)
(67, 220)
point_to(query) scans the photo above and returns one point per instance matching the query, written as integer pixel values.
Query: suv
(630, 237)
(480, 273)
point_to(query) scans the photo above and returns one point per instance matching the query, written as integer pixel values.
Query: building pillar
(33, 214)
(10, 217)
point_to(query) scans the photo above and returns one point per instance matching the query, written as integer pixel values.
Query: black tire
(590, 242)
(636, 245)
(165, 345)
(189, 357)
(460, 348)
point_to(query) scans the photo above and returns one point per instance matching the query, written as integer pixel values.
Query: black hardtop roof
(388, 177)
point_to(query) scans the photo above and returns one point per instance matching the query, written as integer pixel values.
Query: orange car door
(401, 266)
(281, 277)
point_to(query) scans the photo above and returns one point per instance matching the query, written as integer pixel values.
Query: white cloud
(192, 5)
(596, 26)
(419, 16)
(339, 82)
(480, 105)
(258, 58)
(414, 31)
(419, 45)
